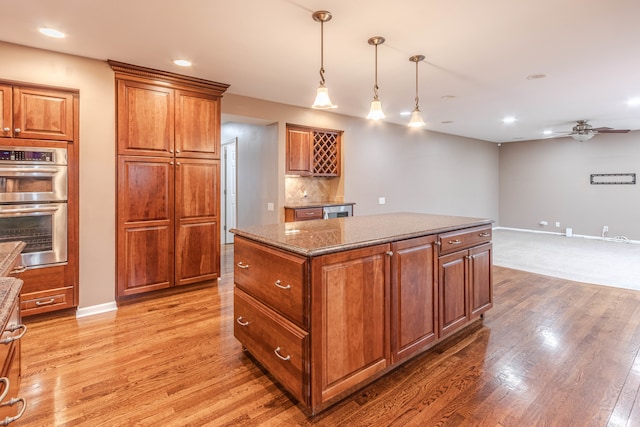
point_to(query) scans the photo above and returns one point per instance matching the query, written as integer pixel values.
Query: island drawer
(279, 345)
(303, 214)
(464, 239)
(274, 277)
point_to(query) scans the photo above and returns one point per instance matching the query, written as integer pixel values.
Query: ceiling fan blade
(601, 129)
(609, 130)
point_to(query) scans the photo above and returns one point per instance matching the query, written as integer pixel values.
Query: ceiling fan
(583, 131)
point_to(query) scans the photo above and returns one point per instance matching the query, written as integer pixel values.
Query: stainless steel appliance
(337, 211)
(33, 202)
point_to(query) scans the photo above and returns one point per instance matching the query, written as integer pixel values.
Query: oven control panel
(27, 156)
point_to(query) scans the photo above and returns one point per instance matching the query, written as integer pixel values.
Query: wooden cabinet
(10, 358)
(36, 113)
(313, 151)
(350, 320)
(464, 276)
(168, 132)
(414, 296)
(329, 324)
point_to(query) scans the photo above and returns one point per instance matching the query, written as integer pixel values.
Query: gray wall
(549, 180)
(257, 172)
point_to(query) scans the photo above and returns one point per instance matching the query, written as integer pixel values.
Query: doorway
(229, 198)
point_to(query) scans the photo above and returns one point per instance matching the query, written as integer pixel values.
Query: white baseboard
(96, 309)
(584, 236)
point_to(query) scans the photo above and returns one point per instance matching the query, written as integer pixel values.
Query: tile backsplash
(318, 189)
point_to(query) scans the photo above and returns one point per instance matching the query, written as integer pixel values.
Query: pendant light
(416, 116)
(375, 113)
(322, 101)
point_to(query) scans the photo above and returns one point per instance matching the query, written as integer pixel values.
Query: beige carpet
(594, 261)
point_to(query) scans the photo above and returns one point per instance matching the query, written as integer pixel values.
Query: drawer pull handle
(277, 352)
(12, 402)
(309, 213)
(47, 302)
(241, 265)
(14, 328)
(277, 283)
(5, 381)
(485, 234)
(241, 323)
(19, 269)
(454, 242)
(389, 253)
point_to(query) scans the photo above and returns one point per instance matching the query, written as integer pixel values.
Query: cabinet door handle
(19, 269)
(277, 352)
(5, 381)
(469, 257)
(6, 129)
(277, 283)
(241, 265)
(454, 242)
(17, 130)
(12, 402)
(389, 253)
(241, 323)
(485, 234)
(13, 328)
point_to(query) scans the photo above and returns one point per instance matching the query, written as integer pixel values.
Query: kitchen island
(328, 306)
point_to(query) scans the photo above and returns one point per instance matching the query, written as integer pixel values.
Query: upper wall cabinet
(312, 151)
(36, 113)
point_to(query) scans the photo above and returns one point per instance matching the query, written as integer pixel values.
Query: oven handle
(7, 211)
(34, 171)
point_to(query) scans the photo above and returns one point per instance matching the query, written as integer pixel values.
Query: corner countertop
(320, 204)
(8, 252)
(313, 238)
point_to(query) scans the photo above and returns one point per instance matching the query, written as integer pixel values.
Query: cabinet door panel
(481, 279)
(6, 115)
(146, 258)
(145, 190)
(413, 296)
(145, 119)
(350, 319)
(43, 114)
(299, 152)
(196, 256)
(452, 278)
(197, 125)
(197, 188)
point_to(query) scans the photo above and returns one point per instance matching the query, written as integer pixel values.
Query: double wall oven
(33, 202)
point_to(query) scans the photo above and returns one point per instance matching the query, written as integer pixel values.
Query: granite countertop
(313, 238)
(8, 252)
(320, 204)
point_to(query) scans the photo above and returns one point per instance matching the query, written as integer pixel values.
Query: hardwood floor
(551, 352)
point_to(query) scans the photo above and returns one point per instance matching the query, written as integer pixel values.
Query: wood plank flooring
(550, 353)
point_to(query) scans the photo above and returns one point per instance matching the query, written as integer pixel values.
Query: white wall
(550, 180)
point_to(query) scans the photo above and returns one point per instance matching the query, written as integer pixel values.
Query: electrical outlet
(605, 229)
(558, 224)
(269, 206)
(381, 200)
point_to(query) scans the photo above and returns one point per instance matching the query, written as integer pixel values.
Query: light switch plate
(381, 200)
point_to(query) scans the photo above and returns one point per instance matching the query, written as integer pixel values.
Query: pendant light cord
(375, 87)
(321, 53)
(417, 85)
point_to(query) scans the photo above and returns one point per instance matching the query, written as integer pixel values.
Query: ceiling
(479, 52)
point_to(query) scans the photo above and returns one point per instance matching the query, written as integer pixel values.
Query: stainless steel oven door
(42, 226)
(32, 183)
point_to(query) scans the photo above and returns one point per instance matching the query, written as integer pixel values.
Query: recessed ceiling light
(447, 97)
(182, 62)
(405, 113)
(50, 32)
(508, 119)
(547, 132)
(633, 102)
(536, 76)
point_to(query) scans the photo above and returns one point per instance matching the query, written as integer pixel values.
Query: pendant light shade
(416, 116)
(322, 101)
(375, 112)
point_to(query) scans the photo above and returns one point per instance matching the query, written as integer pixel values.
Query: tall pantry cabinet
(168, 206)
